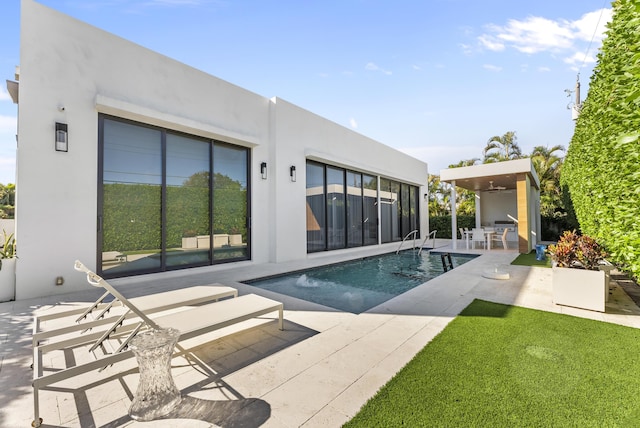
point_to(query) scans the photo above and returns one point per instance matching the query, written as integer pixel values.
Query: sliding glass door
(169, 200)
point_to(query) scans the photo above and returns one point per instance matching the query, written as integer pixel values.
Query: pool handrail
(433, 232)
(415, 234)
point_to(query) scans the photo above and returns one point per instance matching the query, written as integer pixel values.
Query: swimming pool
(359, 285)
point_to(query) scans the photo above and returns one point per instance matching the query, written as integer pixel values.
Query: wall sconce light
(62, 141)
(263, 170)
(426, 196)
(292, 173)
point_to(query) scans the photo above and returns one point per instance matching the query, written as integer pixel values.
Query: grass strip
(530, 260)
(505, 366)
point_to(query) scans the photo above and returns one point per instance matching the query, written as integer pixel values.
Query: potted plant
(576, 277)
(7, 267)
(189, 240)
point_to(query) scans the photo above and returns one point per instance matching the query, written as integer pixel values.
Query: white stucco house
(136, 163)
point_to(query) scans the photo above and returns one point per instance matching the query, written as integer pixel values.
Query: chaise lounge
(190, 322)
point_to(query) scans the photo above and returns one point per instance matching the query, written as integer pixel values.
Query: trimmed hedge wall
(443, 224)
(132, 215)
(602, 168)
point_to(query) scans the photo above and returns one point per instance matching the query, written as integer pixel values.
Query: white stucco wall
(67, 63)
(496, 205)
(300, 135)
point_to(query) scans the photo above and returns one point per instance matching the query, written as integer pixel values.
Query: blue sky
(433, 78)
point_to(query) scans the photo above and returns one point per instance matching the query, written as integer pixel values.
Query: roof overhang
(13, 87)
(500, 174)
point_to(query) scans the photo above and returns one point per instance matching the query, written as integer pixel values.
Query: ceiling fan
(492, 187)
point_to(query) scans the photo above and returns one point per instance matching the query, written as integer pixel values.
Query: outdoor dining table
(488, 233)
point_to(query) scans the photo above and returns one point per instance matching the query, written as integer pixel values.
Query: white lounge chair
(190, 322)
(95, 316)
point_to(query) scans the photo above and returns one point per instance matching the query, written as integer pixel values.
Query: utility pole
(575, 109)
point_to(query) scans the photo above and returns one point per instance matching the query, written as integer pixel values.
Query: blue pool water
(359, 285)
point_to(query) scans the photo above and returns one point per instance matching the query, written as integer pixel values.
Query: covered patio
(507, 195)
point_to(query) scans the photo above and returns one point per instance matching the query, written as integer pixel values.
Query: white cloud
(416, 67)
(353, 123)
(584, 27)
(374, 67)
(4, 95)
(491, 43)
(579, 58)
(8, 125)
(543, 69)
(466, 49)
(491, 67)
(536, 34)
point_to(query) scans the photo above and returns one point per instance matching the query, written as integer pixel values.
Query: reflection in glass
(370, 203)
(230, 211)
(414, 207)
(388, 203)
(156, 211)
(405, 220)
(354, 209)
(316, 231)
(335, 208)
(187, 201)
(132, 190)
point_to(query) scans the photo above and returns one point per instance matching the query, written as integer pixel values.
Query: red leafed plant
(577, 251)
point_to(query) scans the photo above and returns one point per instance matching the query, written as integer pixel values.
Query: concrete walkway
(316, 373)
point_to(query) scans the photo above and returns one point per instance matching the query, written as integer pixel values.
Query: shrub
(577, 251)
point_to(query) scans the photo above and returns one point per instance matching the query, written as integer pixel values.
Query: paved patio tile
(318, 372)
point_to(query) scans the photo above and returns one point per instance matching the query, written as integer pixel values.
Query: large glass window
(230, 233)
(188, 210)
(336, 212)
(160, 200)
(131, 223)
(370, 205)
(389, 210)
(342, 208)
(316, 230)
(399, 210)
(405, 218)
(354, 209)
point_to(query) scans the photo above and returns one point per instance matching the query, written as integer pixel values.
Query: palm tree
(439, 197)
(465, 199)
(502, 148)
(468, 162)
(548, 163)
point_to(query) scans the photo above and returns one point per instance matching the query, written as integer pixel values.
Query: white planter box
(8, 280)
(579, 288)
(190, 242)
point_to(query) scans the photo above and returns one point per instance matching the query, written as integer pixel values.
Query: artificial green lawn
(504, 366)
(530, 260)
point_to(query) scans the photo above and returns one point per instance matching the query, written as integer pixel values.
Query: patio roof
(500, 174)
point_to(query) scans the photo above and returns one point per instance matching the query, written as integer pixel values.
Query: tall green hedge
(442, 224)
(132, 216)
(602, 166)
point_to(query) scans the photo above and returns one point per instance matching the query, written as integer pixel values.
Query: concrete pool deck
(316, 373)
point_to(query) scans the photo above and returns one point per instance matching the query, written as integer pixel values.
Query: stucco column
(454, 217)
(524, 223)
(478, 208)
